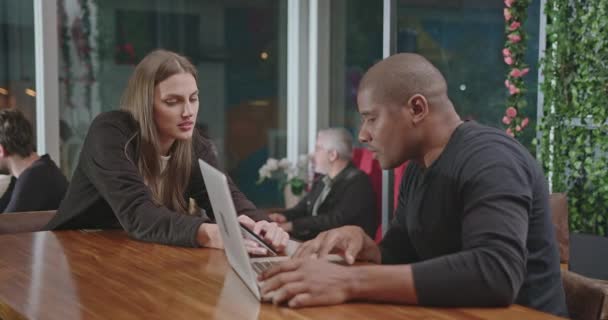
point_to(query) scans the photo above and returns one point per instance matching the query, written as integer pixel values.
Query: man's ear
(419, 108)
(2, 151)
(333, 155)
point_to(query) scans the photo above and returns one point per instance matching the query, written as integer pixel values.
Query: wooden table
(105, 275)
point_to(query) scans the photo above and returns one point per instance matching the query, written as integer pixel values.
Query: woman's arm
(107, 160)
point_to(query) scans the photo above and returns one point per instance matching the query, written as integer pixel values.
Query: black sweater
(39, 187)
(107, 190)
(476, 226)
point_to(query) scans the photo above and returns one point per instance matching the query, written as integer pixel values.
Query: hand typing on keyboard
(269, 232)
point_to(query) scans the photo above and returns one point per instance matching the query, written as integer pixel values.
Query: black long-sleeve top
(39, 187)
(107, 190)
(476, 226)
(350, 201)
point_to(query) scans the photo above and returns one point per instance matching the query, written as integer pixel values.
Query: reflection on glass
(17, 59)
(464, 40)
(235, 291)
(356, 33)
(235, 45)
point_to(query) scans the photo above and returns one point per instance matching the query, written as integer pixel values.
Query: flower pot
(290, 199)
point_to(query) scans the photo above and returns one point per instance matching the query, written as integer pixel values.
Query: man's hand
(308, 282)
(277, 217)
(349, 241)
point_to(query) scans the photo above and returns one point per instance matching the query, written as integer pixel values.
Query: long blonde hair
(138, 99)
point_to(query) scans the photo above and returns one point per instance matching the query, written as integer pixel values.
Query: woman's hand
(209, 236)
(271, 232)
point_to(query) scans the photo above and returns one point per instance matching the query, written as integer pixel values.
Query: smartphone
(248, 234)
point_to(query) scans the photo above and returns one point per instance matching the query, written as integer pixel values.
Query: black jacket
(351, 201)
(107, 190)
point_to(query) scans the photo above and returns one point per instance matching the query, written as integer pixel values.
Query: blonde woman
(138, 170)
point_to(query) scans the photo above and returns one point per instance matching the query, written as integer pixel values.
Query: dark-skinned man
(472, 226)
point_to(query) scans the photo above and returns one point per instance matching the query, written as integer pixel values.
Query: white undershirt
(163, 162)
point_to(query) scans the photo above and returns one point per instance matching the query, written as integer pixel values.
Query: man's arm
(300, 209)
(489, 270)
(383, 283)
(356, 200)
(491, 266)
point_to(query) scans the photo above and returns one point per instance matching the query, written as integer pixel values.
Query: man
(472, 226)
(36, 183)
(343, 196)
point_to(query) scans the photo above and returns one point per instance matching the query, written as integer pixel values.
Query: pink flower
(513, 90)
(518, 128)
(524, 123)
(514, 26)
(516, 73)
(514, 38)
(508, 60)
(509, 3)
(507, 83)
(506, 120)
(508, 15)
(509, 132)
(506, 52)
(511, 112)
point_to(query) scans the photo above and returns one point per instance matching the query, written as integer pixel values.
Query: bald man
(472, 227)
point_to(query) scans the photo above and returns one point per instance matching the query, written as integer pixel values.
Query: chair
(586, 298)
(30, 221)
(558, 202)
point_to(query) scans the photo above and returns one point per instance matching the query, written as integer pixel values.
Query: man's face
(387, 131)
(321, 157)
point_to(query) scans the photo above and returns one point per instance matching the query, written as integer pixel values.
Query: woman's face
(175, 108)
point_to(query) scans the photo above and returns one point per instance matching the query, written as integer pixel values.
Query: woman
(138, 168)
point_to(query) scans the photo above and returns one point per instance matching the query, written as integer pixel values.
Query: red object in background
(364, 160)
(399, 171)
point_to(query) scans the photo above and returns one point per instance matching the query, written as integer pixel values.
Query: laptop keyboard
(261, 266)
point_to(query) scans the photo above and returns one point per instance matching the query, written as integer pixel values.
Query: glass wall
(356, 44)
(238, 47)
(17, 63)
(464, 39)
(17, 59)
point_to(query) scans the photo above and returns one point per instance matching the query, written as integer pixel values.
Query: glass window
(236, 46)
(17, 59)
(356, 44)
(464, 40)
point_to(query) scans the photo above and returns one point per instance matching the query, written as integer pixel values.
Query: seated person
(472, 227)
(138, 166)
(36, 182)
(343, 196)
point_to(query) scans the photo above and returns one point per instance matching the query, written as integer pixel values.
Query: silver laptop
(226, 217)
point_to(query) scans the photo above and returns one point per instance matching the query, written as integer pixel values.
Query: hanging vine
(574, 143)
(515, 13)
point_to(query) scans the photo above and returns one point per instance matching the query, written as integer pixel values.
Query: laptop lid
(226, 218)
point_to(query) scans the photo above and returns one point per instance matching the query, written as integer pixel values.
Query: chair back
(586, 298)
(30, 221)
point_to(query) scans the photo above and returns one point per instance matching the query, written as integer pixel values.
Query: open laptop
(226, 217)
